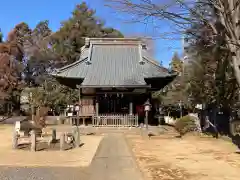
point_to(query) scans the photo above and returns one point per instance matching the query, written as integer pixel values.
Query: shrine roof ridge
(114, 41)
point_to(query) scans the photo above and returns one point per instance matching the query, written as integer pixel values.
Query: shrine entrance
(114, 104)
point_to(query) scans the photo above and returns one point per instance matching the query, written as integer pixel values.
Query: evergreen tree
(174, 93)
(1, 36)
(28, 55)
(67, 42)
(176, 63)
(39, 57)
(52, 50)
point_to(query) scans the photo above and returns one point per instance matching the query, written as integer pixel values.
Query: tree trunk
(236, 65)
(230, 18)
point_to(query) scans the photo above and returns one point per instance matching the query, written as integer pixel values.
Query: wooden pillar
(131, 106)
(97, 106)
(80, 112)
(150, 96)
(95, 119)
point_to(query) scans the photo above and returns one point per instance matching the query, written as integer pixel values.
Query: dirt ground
(165, 157)
(71, 158)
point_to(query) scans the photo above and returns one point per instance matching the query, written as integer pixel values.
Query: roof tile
(113, 65)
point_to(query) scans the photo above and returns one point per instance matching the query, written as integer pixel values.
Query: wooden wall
(87, 106)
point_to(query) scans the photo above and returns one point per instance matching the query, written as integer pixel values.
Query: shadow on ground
(44, 146)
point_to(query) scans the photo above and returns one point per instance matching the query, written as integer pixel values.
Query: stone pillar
(62, 141)
(15, 139)
(33, 140)
(76, 137)
(54, 136)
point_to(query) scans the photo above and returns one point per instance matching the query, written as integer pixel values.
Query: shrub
(235, 127)
(185, 124)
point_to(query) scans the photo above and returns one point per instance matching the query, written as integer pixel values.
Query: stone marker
(161, 129)
(62, 141)
(33, 140)
(15, 139)
(17, 126)
(76, 137)
(49, 142)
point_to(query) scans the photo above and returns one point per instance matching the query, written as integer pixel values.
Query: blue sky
(33, 11)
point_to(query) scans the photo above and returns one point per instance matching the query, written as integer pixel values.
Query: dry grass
(71, 158)
(165, 157)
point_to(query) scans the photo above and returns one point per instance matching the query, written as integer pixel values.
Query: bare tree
(229, 16)
(182, 13)
(148, 41)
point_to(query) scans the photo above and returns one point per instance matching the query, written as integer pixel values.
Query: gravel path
(114, 161)
(42, 173)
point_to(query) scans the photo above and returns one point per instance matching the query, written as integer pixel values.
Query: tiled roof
(113, 63)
